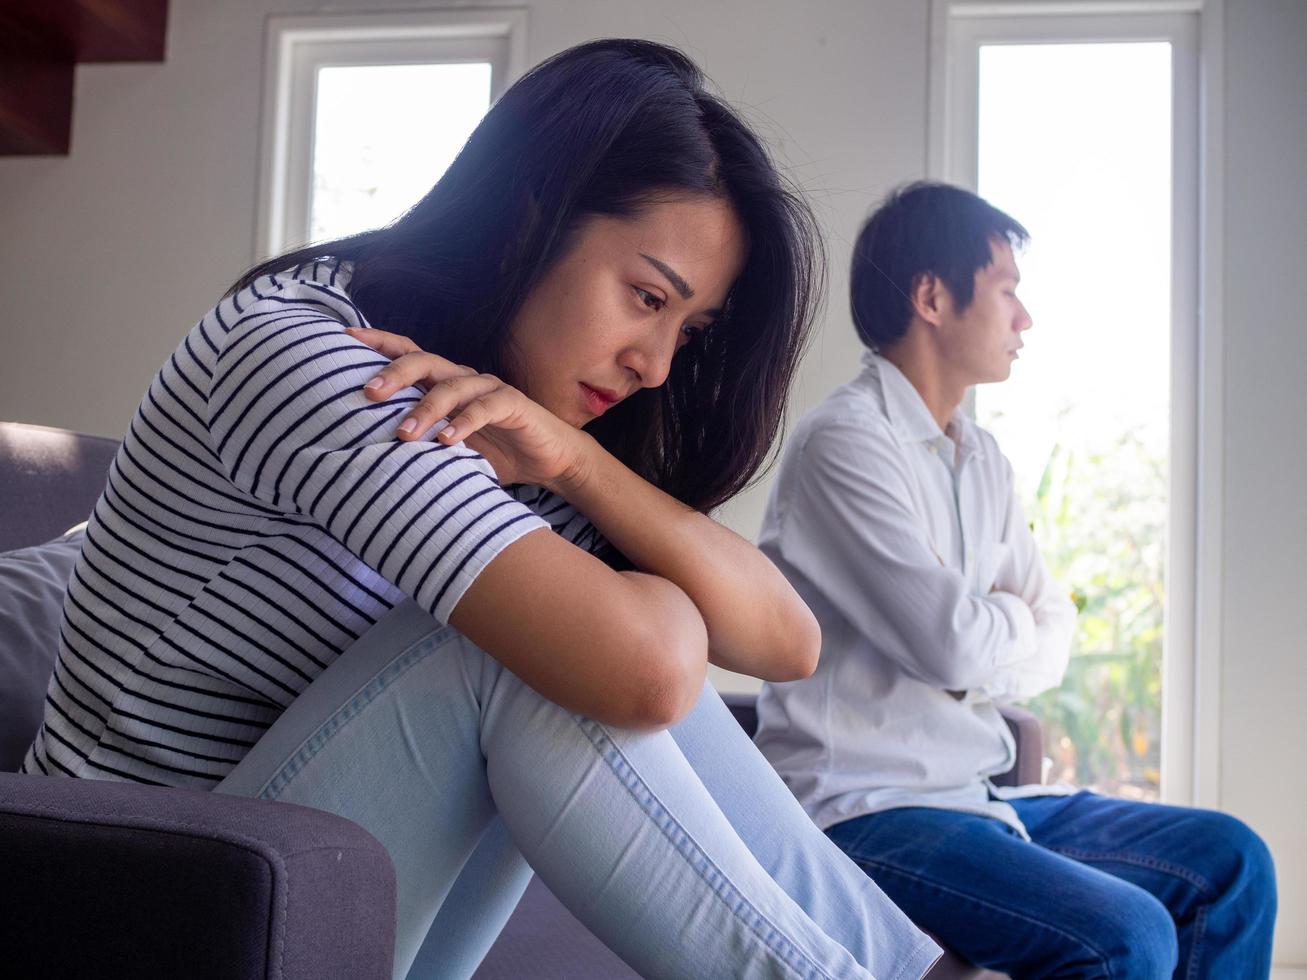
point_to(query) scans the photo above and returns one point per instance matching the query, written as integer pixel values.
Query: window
(1084, 127)
(363, 114)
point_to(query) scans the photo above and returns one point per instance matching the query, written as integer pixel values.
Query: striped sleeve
(290, 423)
(570, 524)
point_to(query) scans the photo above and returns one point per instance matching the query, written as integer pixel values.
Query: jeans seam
(1015, 913)
(908, 960)
(1200, 929)
(798, 961)
(1203, 886)
(324, 733)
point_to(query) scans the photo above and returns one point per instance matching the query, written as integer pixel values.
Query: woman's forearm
(756, 622)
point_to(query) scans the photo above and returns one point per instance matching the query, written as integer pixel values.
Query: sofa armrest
(1029, 737)
(109, 879)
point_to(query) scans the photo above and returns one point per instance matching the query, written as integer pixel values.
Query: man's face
(981, 342)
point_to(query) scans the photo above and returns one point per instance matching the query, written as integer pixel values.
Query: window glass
(383, 134)
(1075, 143)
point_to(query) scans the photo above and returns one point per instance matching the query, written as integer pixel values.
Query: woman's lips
(597, 400)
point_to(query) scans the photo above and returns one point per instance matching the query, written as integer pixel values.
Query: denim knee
(1242, 871)
(1134, 939)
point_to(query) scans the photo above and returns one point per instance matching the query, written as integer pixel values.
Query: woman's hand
(523, 441)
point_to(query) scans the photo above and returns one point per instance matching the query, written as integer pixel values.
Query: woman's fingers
(383, 342)
(414, 368)
(443, 399)
(486, 409)
(409, 365)
(470, 401)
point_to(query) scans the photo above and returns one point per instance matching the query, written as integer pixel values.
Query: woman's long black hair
(603, 129)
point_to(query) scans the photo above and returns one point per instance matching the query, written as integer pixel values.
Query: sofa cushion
(32, 583)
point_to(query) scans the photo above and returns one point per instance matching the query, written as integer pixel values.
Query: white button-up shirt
(910, 547)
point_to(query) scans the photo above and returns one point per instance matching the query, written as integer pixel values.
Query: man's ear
(928, 298)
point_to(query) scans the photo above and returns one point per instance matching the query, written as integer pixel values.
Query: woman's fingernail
(408, 425)
(447, 431)
(374, 383)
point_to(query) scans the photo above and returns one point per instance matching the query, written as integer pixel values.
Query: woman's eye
(648, 298)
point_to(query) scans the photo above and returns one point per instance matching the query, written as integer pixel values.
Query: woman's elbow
(800, 648)
(664, 706)
(807, 645)
(671, 681)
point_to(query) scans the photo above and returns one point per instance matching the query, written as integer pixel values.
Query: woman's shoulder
(320, 286)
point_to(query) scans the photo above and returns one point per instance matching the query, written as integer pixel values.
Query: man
(894, 516)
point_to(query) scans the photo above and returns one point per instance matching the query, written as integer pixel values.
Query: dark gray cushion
(32, 583)
(109, 880)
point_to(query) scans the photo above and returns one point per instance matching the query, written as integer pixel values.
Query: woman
(617, 286)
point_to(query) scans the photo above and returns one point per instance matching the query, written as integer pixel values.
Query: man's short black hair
(923, 229)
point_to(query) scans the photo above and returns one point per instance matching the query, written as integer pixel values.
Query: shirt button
(934, 449)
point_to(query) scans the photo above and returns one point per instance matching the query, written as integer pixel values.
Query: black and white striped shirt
(259, 517)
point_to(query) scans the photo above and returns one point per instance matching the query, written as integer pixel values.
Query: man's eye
(648, 298)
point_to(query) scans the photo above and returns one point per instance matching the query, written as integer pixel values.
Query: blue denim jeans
(1104, 888)
(681, 850)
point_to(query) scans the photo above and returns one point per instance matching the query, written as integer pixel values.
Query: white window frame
(1191, 670)
(298, 46)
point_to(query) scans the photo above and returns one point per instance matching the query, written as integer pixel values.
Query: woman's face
(609, 315)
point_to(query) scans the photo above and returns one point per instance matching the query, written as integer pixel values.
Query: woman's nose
(650, 357)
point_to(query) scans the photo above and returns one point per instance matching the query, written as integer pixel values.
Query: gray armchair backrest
(176, 883)
(49, 481)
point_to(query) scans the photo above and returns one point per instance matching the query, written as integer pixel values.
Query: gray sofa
(108, 880)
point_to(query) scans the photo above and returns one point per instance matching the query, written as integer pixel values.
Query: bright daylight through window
(1075, 142)
(383, 134)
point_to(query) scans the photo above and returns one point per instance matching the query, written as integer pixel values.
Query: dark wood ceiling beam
(40, 43)
(36, 106)
(91, 30)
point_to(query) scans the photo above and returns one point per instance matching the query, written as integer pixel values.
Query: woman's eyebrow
(672, 275)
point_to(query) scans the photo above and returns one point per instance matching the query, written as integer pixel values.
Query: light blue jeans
(682, 850)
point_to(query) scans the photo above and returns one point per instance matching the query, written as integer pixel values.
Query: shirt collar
(906, 411)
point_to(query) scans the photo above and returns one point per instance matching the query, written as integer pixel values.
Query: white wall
(1264, 644)
(108, 256)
